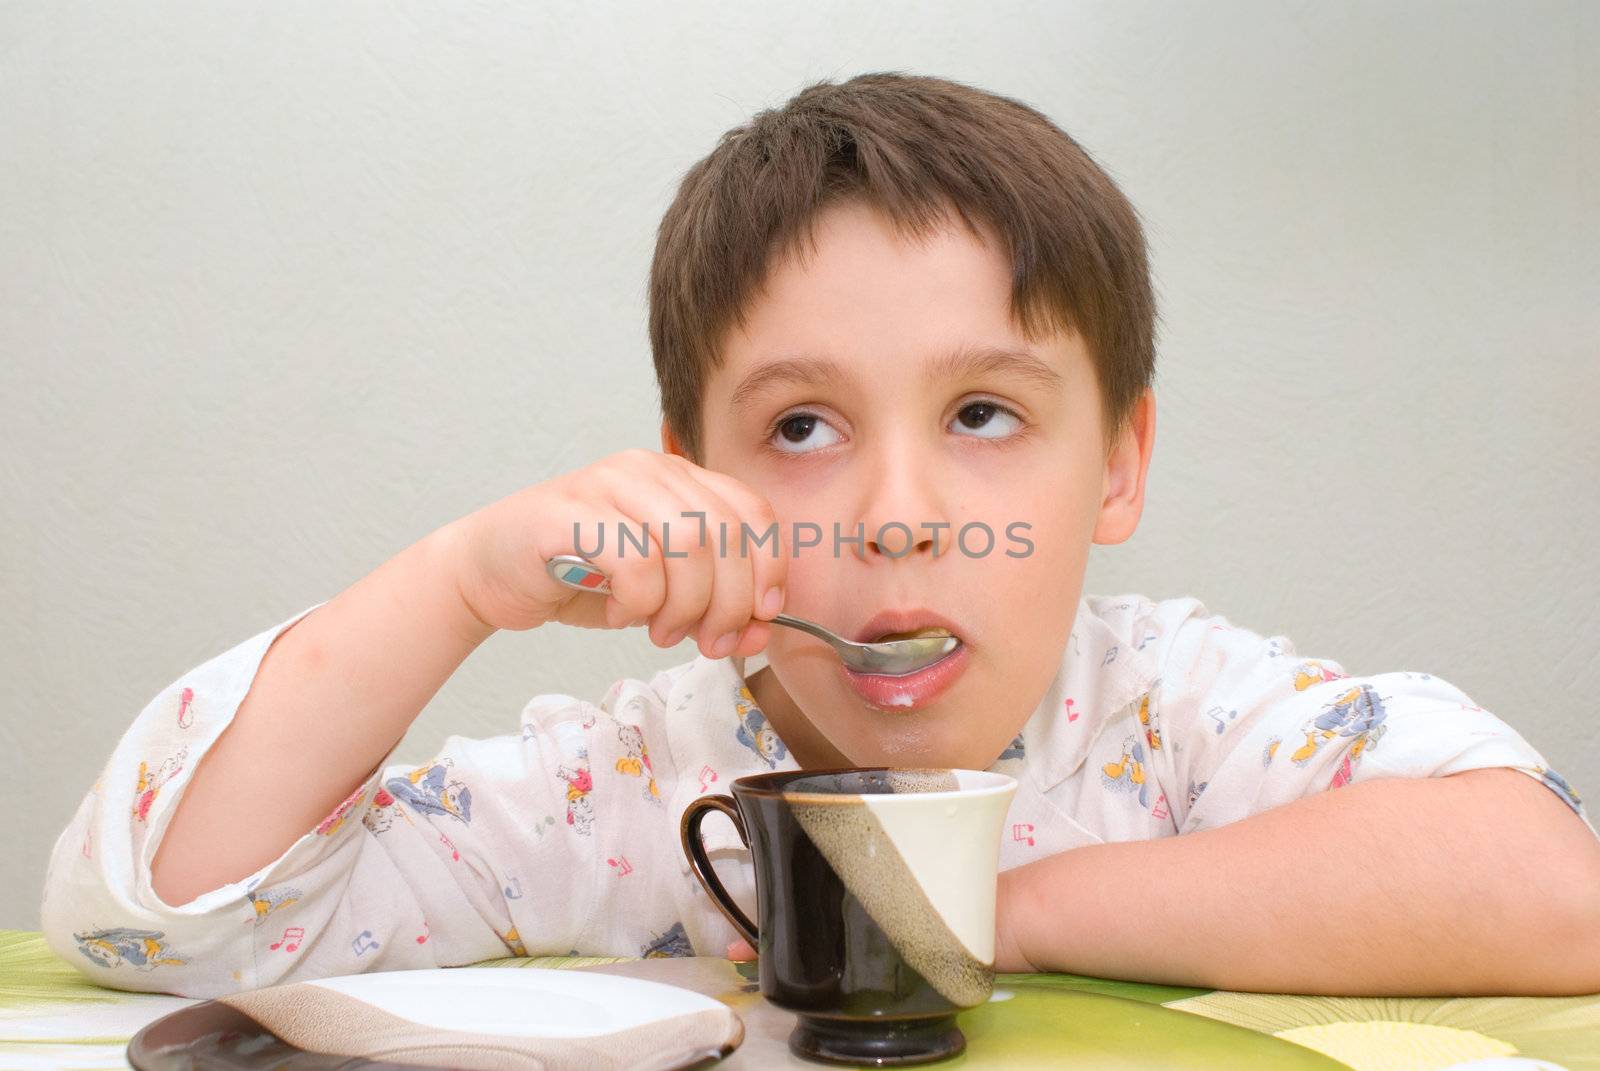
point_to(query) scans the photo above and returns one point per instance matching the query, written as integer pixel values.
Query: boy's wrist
(449, 550)
(1011, 913)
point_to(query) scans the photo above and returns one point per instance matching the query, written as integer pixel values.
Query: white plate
(530, 1002)
(464, 1017)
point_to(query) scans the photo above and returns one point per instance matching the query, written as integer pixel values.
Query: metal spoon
(894, 658)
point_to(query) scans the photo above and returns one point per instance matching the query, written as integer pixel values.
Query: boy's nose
(901, 509)
(901, 538)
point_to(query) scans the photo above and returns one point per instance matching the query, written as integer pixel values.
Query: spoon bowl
(892, 658)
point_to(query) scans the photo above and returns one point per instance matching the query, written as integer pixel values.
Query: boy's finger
(753, 638)
(740, 950)
(728, 609)
(684, 577)
(694, 571)
(638, 578)
(764, 544)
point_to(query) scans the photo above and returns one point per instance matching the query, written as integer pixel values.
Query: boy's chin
(899, 744)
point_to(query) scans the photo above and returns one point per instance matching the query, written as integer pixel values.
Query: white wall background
(283, 287)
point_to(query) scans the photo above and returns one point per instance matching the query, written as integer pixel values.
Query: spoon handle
(808, 626)
(584, 575)
(576, 572)
(891, 658)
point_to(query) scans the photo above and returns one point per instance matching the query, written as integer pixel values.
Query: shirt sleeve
(413, 869)
(1245, 724)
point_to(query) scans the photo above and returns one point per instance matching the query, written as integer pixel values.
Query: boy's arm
(297, 853)
(1480, 882)
(333, 696)
(338, 690)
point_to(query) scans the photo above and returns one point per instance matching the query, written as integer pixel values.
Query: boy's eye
(800, 433)
(795, 434)
(987, 420)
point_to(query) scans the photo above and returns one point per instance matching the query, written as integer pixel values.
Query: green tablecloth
(50, 1017)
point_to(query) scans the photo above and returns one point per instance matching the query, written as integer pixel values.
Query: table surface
(52, 1017)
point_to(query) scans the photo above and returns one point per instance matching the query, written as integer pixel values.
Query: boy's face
(897, 434)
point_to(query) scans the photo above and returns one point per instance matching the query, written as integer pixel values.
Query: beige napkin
(318, 1019)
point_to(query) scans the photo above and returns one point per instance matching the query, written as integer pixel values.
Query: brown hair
(910, 146)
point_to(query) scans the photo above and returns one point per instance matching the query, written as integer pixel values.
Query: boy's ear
(1123, 496)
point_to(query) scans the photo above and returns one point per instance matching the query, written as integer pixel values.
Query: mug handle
(689, 832)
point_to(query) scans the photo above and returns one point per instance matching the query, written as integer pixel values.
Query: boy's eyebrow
(963, 362)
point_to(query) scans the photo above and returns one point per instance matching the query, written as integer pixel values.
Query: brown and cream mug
(875, 902)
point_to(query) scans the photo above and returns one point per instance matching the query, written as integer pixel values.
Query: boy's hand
(724, 600)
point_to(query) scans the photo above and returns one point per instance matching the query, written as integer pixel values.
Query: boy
(902, 313)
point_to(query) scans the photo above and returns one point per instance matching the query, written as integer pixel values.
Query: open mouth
(913, 691)
(909, 692)
(905, 623)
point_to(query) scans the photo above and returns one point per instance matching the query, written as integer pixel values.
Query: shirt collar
(1101, 672)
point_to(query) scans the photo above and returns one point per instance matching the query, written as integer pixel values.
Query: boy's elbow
(136, 957)
(1587, 921)
(115, 944)
(1572, 965)
(1569, 923)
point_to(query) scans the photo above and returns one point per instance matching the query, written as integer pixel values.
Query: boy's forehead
(865, 299)
(854, 262)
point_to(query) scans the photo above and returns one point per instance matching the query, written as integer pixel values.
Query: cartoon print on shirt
(149, 785)
(1017, 749)
(675, 942)
(754, 732)
(1195, 790)
(1357, 713)
(143, 949)
(1559, 785)
(269, 900)
(513, 941)
(1161, 812)
(580, 809)
(1127, 773)
(1149, 721)
(426, 790)
(1311, 671)
(636, 762)
(574, 770)
(1222, 718)
(186, 708)
(380, 812)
